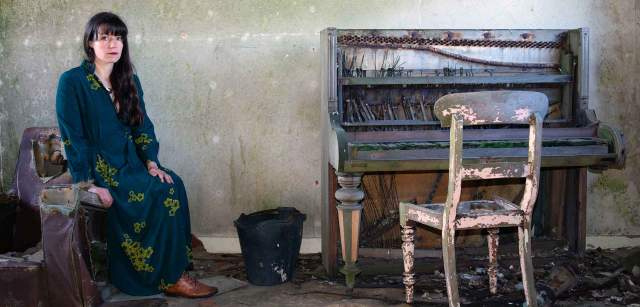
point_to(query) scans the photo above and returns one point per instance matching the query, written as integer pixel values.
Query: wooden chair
(481, 108)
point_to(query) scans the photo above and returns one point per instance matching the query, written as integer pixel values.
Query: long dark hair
(122, 83)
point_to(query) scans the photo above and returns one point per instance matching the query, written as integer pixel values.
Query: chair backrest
(491, 107)
(487, 108)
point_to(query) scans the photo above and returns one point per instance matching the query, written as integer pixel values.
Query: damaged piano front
(380, 86)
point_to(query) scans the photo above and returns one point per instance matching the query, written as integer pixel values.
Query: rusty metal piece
(493, 241)
(408, 247)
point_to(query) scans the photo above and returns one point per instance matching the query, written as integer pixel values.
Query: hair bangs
(112, 29)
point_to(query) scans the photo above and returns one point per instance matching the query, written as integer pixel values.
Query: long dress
(148, 235)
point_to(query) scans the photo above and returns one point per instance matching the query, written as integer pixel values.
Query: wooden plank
(330, 222)
(477, 153)
(571, 209)
(424, 216)
(394, 122)
(443, 164)
(553, 123)
(523, 78)
(558, 184)
(581, 243)
(469, 134)
(468, 144)
(567, 63)
(494, 170)
(510, 219)
(334, 231)
(540, 218)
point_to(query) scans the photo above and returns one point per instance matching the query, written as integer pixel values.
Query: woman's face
(107, 48)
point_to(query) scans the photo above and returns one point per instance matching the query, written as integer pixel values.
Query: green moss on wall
(623, 203)
(605, 183)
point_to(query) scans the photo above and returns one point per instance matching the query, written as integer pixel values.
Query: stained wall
(233, 88)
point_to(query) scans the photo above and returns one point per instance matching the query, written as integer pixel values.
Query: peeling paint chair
(469, 109)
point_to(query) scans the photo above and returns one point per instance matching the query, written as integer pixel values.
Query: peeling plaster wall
(233, 88)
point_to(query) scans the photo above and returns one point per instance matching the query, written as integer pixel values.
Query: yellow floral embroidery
(143, 139)
(66, 142)
(137, 254)
(164, 286)
(135, 197)
(107, 172)
(95, 85)
(137, 227)
(171, 191)
(189, 253)
(172, 204)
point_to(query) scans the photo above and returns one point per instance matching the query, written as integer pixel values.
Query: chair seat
(473, 214)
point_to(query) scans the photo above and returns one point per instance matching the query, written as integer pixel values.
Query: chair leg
(408, 247)
(493, 242)
(449, 257)
(526, 265)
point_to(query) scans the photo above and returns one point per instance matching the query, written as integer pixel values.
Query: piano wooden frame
(360, 136)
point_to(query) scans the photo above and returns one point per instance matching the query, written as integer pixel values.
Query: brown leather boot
(188, 286)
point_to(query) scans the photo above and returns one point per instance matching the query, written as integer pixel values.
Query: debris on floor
(599, 277)
(604, 276)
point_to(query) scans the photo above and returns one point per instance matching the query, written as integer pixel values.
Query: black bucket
(270, 242)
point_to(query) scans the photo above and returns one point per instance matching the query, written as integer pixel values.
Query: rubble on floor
(602, 276)
(598, 278)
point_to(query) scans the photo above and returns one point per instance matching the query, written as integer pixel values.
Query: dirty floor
(599, 278)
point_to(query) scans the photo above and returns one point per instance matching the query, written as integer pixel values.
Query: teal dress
(148, 235)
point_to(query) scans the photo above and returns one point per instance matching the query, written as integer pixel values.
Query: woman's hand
(103, 194)
(154, 171)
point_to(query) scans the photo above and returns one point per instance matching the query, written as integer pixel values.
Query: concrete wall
(233, 88)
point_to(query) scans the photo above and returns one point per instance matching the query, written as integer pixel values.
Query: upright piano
(379, 88)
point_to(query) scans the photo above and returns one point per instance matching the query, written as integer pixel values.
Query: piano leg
(349, 197)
